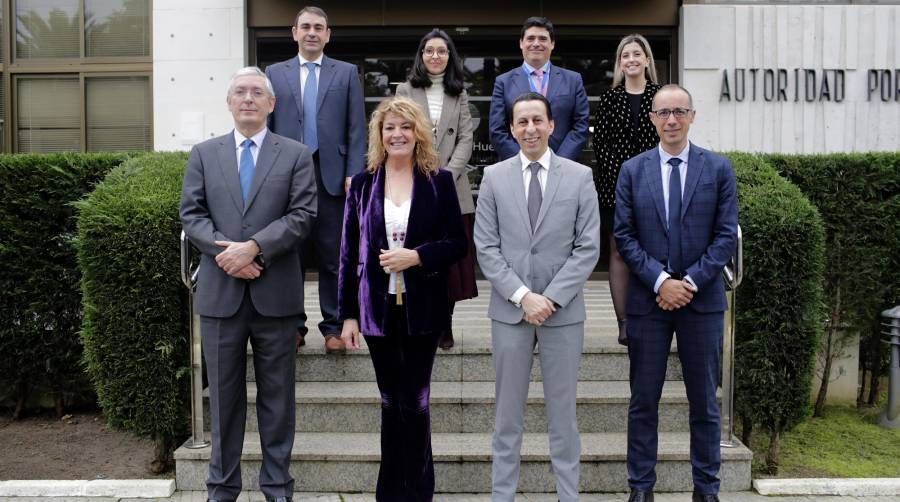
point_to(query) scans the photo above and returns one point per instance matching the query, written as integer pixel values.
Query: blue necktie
(675, 264)
(310, 91)
(246, 168)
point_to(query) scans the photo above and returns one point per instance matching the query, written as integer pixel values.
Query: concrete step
(603, 359)
(321, 463)
(467, 407)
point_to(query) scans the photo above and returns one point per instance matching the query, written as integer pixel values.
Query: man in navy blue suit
(676, 228)
(562, 88)
(320, 103)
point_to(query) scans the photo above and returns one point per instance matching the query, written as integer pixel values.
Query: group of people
(390, 219)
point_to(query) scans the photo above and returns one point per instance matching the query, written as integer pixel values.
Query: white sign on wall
(793, 79)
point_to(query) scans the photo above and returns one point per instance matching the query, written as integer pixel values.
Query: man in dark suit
(248, 198)
(676, 228)
(562, 88)
(320, 103)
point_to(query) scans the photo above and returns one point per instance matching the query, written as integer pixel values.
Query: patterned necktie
(675, 264)
(310, 91)
(539, 81)
(535, 197)
(246, 168)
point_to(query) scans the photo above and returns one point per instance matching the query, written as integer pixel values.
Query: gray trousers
(225, 351)
(560, 353)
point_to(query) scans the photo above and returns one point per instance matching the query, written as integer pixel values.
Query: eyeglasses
(679, 113)
(255, 92)
(431, 51)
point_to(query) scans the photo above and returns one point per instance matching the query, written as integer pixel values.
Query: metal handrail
(189, 274)
(733, 275)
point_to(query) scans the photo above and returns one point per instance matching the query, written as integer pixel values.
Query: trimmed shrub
(40, 301)
(134, 331)
(779, 304)
(858, 196)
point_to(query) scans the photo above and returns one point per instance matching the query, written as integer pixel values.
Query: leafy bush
(40, 301)
(134, 331)
(779, 304)
(858, 196)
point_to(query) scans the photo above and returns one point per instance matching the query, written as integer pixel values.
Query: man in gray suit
(537, 232)
(248, 198)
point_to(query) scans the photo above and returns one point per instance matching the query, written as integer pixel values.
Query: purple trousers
(403, 364)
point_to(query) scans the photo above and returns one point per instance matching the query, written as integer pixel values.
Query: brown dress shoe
(333, 343)
(446, 340)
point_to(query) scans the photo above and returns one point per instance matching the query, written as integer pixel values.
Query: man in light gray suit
(248, 198)
(537, 232)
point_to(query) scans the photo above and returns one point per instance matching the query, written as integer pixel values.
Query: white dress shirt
(666, 171)
(254, 150)
(304, 71)
(544, 161)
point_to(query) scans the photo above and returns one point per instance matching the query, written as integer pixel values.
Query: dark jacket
(615, 138)
(435, 230)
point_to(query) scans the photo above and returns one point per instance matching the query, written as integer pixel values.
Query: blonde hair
(649, 71)
(424, 156)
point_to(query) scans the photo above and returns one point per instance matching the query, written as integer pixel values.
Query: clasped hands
(674, 294)
(537, 308)
(398, 260)
(237, 259)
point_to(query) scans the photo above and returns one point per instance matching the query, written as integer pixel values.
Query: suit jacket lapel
(292, 72)
(553, 179)
(696, 163)
(229, 166)
(519, 83)
(554, 85)
(268, 152)
(375, 212)
(447, 108)
(514, 179)
(421, 207)
(326, 74)
(654, 180)
(418, 95)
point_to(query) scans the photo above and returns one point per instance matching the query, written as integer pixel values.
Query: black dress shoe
(278, 499)
(704, 498)
(639, 496)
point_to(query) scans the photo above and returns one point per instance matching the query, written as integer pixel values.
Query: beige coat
(453, 139)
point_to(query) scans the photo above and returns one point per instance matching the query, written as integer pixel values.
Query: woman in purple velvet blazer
(402, 231)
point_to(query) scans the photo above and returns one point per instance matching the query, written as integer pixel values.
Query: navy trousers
(403, 366)
(325, 242)
(699, 338)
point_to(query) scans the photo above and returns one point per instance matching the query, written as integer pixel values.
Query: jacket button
(534, 251)
(245, 227)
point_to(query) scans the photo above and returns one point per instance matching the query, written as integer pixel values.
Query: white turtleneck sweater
(435, 95)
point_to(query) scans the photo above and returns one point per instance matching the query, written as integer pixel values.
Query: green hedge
(134, 331)
(40, 301)
(779, 304)
(858, 196)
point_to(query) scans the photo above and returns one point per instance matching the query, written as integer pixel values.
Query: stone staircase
(336, 448)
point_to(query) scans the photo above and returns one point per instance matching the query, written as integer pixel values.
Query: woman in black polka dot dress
(622, 129)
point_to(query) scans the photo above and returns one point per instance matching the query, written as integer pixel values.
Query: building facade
(141, 74)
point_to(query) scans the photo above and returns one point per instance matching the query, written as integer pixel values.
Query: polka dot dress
(617, 140)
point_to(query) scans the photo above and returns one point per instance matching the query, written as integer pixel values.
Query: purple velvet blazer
(435, 230)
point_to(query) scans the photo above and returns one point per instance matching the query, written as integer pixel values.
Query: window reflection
(117, 27)
(47, 29)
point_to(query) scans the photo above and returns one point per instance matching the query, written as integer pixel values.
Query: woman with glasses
(402, 230)
(622, 129)
(436, 84)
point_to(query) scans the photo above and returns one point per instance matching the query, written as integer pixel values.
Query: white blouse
(396, 219)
